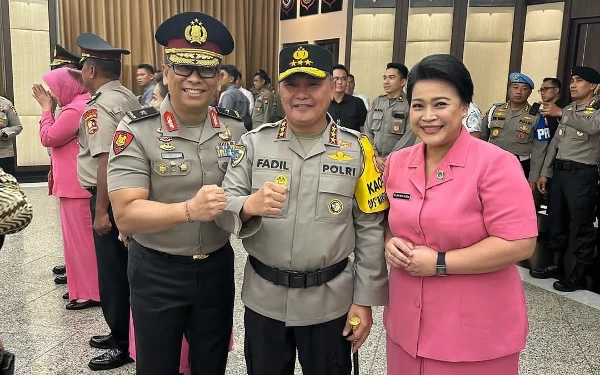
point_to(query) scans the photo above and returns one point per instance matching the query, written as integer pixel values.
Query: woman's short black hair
(446, 68)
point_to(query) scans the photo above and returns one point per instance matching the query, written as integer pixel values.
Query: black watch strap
(440, 267)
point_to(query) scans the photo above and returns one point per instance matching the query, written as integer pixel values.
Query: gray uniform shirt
(173, 161)
(97, 127)
(388, 126)
(319, 226)
(577, 137)
(235, 100)
(10, 124)
(515, 132)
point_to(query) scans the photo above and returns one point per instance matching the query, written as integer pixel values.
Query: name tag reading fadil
(401, 196)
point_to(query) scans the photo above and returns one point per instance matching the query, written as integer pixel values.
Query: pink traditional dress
(458, 324)
(75, 217)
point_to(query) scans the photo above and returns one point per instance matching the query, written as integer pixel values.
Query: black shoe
(571, 284)
(59, 270)
(102, 342)
(66, 295)
(74, 305)
(60, 279)
(111, 359)
(546, 272)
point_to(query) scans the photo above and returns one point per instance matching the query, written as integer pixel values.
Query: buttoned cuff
(371, 297)
(231, 221)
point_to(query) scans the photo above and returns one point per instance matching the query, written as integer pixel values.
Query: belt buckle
(298, 279)
(199, 256)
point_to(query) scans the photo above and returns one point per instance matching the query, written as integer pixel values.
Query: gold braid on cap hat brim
(315, 72)
(57, 62)
(189, 56)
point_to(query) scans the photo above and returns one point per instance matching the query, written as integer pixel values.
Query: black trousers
(270, 347)
(111, 255)
(8, 165)
(172, 296)
(572, 201)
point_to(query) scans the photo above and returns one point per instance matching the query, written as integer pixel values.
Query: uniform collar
(109, 86)
(456, 157)
(172, 127)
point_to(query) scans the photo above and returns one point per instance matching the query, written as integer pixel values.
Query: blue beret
(521, 78)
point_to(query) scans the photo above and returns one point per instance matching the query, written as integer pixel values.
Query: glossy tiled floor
(564, 337)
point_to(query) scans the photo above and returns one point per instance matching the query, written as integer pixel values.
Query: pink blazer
(60, 136)
(478, 191)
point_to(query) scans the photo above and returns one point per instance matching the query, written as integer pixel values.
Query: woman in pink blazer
(58, 133)
(461, 215)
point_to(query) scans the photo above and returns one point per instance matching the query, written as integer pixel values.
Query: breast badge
(281, 180)
(495, 132)
(224, 149)
(336, 206)
(340, 156)
(225, 134)
(121, 140)
(238, 153)
(162, 168)
(167, 147)
(183, 167)
(345, 144)
(580, 134)
(521, 135)
(440, 175)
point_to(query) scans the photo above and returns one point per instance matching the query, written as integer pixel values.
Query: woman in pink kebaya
(59, 134)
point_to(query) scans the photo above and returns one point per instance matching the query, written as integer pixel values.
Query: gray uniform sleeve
(579, 121)
(14, 123)
(369, 129)
(128, 165)
(100, 138)
(371, 277)
(538, 154)
(547, 168)
(238, 187)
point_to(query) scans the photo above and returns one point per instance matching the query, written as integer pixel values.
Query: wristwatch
(440, 267)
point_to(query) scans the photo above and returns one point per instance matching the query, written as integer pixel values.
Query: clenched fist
(267, 201)
(209, 202)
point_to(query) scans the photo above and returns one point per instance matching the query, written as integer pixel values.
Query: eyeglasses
(544, 89)
(187, 70)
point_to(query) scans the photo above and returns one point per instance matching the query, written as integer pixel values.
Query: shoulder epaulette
(94, 97)
(142, 113)
(229, 113)
(596, 105)
(351, 131)
(265, 126)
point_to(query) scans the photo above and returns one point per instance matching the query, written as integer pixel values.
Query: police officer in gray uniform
(387, 125)
(305, 195)
(10, 127)
(110, 100)
(572, 163)
(164, 175)
(518, 128)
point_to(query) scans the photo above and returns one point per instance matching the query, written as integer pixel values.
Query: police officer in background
(305, 195)
(164, 173)
(264, 97)
(10, 127)
(518, 128)
(572, 163)
(110, 100)
(63, 58)
(387, 124)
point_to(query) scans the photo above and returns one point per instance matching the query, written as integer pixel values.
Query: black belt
(93, 190)
(297, 279)
(184, 258)
(568, 165)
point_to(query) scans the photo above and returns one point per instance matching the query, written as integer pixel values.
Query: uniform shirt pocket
(523, 133)
(259, 177)
(336, 196)
(398, 124)
(377, 118)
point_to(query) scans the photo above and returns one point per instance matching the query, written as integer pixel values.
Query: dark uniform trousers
(573, 198)
(176, 295)
(111, 255)
(526, 165)
(270, 347)
(8, 165)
